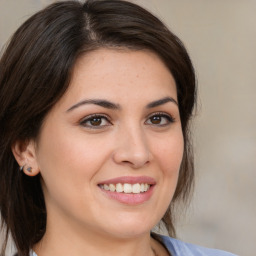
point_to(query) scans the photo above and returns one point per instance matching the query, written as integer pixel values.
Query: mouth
(129, 190)
(126, 188)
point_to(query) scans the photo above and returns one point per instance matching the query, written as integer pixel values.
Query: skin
(74, 154)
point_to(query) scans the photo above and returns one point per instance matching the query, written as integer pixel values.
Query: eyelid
(89, 117)
(160, 113)
(82, 121)
(170, 117)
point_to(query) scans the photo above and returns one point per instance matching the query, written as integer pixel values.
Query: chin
(129, 233)
(131, 227)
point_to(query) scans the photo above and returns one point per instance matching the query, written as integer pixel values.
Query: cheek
(170, 155)
(70, 160)
(68, 166)
(63, 150)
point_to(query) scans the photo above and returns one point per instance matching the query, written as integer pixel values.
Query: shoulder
(32, 253)
(179, 248)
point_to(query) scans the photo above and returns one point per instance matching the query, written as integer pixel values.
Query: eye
(160, 119)
(95, 121)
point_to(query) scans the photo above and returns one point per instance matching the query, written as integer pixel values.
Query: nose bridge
(132, 147)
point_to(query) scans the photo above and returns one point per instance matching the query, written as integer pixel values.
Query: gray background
(220, 36)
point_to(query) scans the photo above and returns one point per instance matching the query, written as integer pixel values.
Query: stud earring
(29, 169)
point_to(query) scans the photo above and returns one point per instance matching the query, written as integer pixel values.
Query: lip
(130, 180)
(129, 198)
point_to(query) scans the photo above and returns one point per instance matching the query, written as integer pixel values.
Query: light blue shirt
(178, 248)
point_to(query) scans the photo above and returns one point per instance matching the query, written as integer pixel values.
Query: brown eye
(160, 119)
(156, 119)
(95, 122)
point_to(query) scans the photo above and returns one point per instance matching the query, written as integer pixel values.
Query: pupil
(156, 119)
(96, 121)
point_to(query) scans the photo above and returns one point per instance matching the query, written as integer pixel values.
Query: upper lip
(130, 180)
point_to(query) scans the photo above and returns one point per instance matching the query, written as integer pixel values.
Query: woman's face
(110, 150)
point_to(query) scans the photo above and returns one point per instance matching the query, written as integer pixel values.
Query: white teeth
(136, 188)
(126, 187)
(106, 187)
(112, 187)
(119, 188)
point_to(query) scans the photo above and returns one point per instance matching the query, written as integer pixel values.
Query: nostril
(132, 151)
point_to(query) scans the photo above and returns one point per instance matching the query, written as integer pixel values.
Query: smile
(126, 188)
(129, 190)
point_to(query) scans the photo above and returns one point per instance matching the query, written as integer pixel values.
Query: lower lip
(130, 198)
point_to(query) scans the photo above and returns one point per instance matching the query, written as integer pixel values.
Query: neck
(65, 241)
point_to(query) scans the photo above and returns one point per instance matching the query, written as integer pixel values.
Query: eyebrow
(111, 105)
(99, 102)
(161, 102)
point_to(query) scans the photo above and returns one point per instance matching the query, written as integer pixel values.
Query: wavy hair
(35, 71)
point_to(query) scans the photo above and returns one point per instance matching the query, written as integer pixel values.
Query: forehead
(120, 74)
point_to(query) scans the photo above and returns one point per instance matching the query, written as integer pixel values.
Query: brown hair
(35, 71)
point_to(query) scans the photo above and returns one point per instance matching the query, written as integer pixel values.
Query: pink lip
(130, 180)
(130, 198)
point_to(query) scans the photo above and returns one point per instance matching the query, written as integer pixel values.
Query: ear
(25, 154)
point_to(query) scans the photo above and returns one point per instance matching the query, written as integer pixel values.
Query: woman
(96, 100)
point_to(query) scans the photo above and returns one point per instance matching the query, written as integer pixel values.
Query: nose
(132, 148)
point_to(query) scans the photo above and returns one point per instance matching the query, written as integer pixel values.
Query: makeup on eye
(160, 119)
(98, 121)
(95, 121)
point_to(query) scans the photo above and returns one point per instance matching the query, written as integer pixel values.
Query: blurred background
(220, 36)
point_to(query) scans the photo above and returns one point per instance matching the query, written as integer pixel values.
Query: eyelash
(95, 116)
(169, 119)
